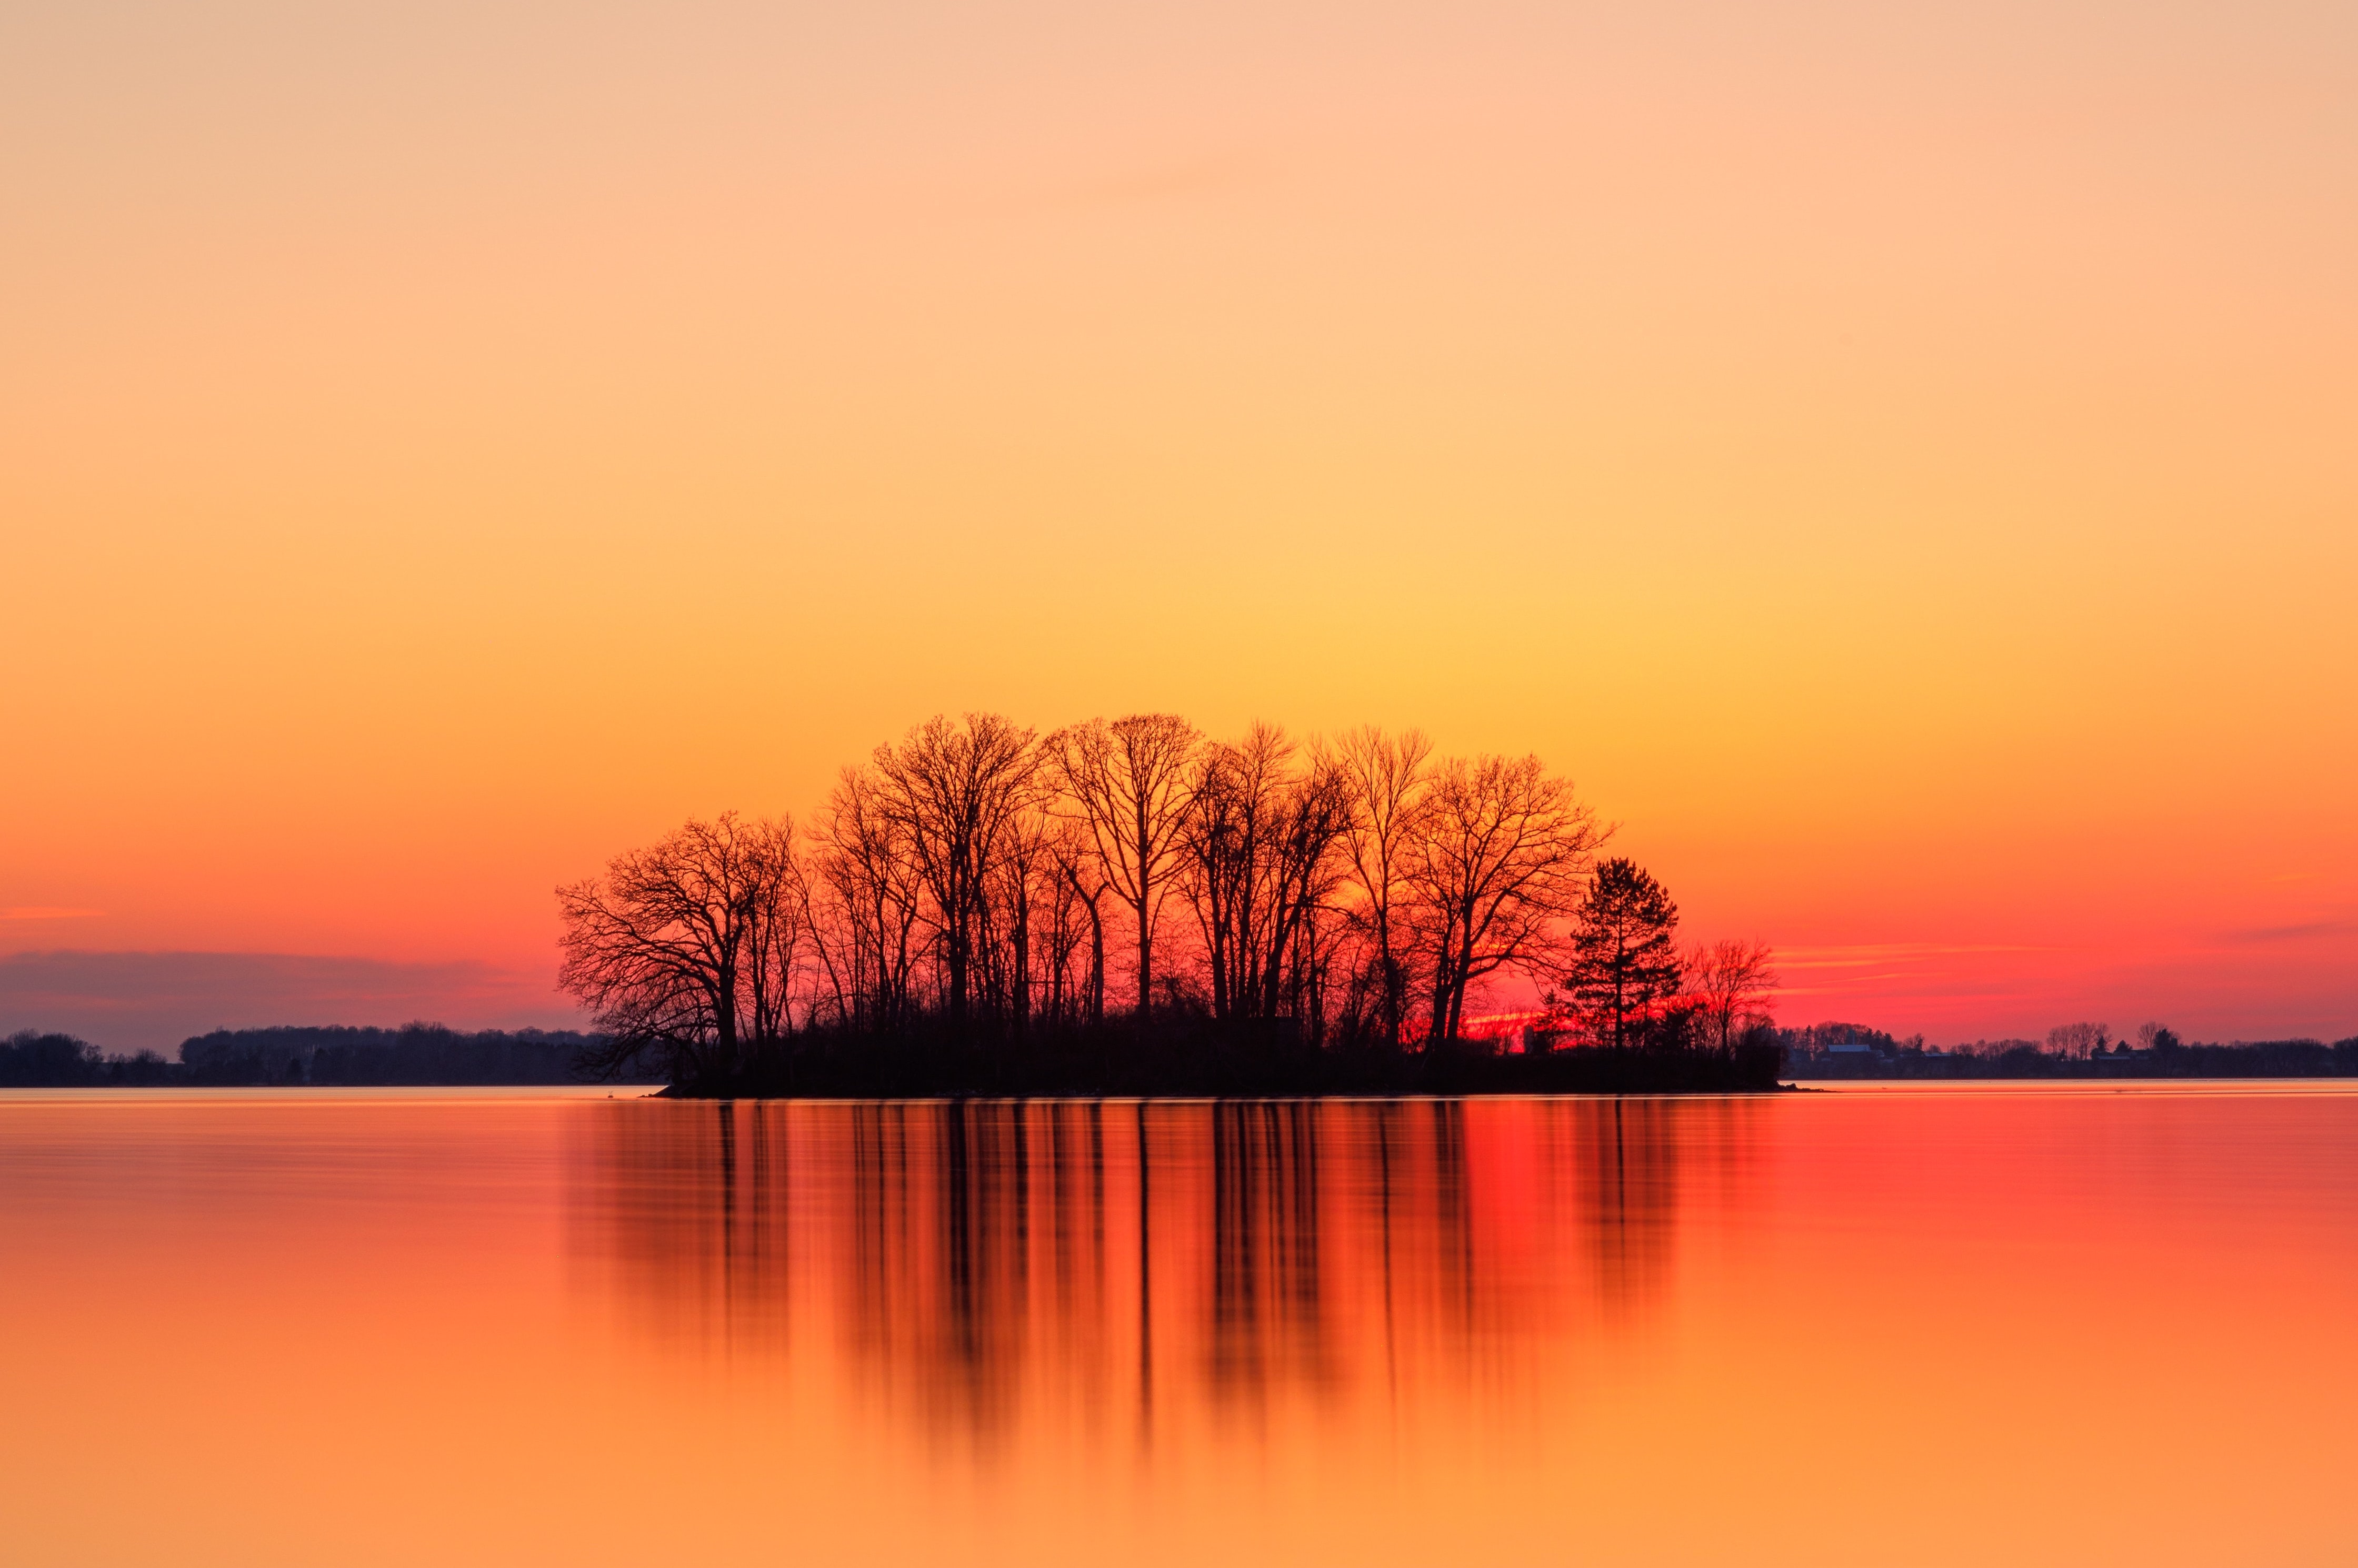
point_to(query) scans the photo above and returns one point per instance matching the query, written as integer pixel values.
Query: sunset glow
(1897, 462)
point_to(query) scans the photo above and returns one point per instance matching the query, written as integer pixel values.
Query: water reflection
(1117, 1266)
(2022, 1324)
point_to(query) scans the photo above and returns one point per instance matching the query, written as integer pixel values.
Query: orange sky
(1897, 462)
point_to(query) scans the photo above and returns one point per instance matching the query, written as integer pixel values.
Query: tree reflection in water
(1117, 1266)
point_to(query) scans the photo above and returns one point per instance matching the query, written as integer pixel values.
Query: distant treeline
(2070, 1051)
(32, 1060)
(421, 1054)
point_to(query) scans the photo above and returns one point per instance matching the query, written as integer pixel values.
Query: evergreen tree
(1623, 955)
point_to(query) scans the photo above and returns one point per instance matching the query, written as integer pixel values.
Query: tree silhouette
(1730, 981)
(956, 792)
(678, 949)
(1258, 861)
(1498, 853)
(1127, 781)
(949, 916)
(1391, 782)
(869, 900)
(1624, 958)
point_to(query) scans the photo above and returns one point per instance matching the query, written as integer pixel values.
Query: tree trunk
(1097, 964)
(1145, 902)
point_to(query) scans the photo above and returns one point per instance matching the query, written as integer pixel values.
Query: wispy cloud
(1869, 955)
(125, 1001)
(2302, 932)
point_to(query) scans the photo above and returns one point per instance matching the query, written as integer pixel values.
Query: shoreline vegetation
(1171, 1061)
(1133, 907)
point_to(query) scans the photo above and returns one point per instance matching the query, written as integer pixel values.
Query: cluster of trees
(980, 881)
(33, 1059)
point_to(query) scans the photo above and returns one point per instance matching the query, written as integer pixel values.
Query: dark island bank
(1154, 1059)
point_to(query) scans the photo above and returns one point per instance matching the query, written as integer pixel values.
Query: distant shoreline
(2265, 1059)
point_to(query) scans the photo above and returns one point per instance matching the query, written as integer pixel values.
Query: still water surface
(1951, 1324)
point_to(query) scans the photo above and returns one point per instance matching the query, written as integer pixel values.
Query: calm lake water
(1949, 1325)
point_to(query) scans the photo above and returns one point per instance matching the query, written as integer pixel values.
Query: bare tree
(1129, 781)
(866, 922)
(1259, 859)
(1731, 981)
(1061, 919)
(953, 791)
(1499, 856)
(1391, 780)
(686, 948)
(1027, 908)
(779, 940)
(1230, 797)
(2079, 1040)
(1080, 874)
